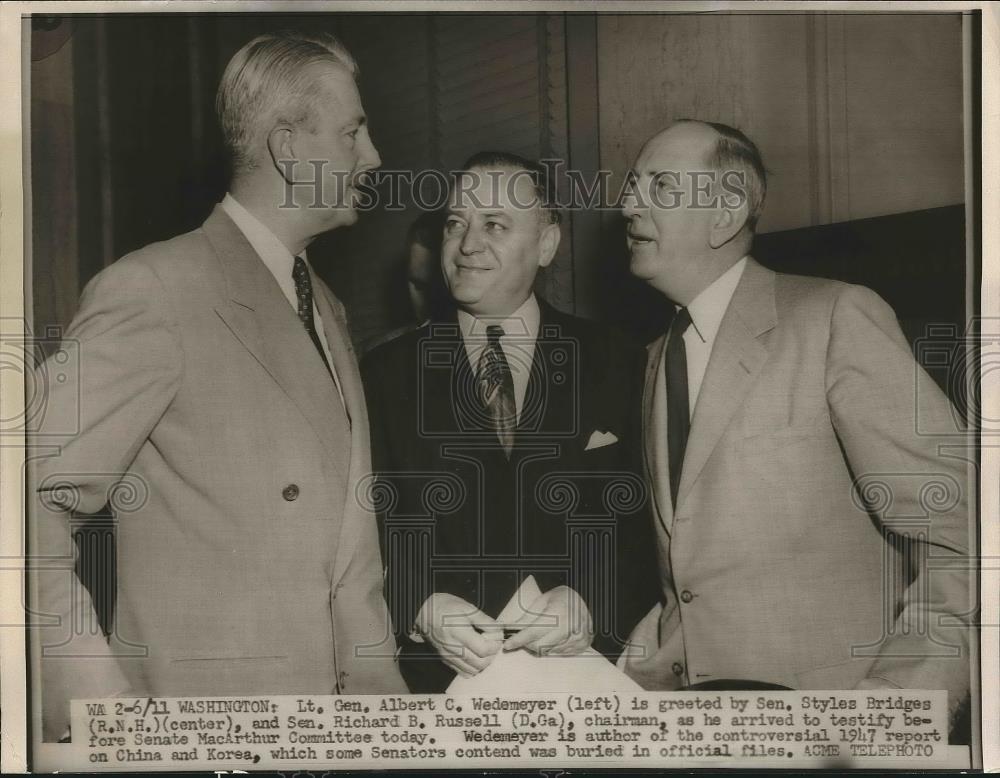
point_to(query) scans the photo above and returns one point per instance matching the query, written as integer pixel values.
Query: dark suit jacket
(458, 517)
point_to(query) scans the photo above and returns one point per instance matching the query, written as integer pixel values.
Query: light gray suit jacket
(248, 562)
(774, 566)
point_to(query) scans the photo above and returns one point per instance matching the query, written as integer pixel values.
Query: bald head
(696, 193)
(692, 141)
(725, 151)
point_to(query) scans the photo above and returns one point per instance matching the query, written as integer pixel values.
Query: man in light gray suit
(777, 411)
(217, 381)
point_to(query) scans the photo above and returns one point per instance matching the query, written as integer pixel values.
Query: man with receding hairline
(768, 405)
(217, 371)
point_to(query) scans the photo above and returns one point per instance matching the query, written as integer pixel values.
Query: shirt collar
(708, 308)
(272, 251)
(522, 323)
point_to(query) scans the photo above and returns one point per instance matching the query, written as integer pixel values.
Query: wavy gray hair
(270, 80)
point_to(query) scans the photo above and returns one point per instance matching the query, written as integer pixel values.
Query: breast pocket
(798, 459)
(601, 458)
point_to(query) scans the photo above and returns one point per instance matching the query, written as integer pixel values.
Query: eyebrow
(458, 211)
(674, 175)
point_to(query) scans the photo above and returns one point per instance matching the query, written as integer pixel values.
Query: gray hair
(268, 80)
(734, 151)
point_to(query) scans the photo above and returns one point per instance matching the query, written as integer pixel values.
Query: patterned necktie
(304, 297)
(496, 388)
(678, 411)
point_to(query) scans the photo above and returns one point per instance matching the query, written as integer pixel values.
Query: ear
(281, 147)
(548, 244)
(727, 224)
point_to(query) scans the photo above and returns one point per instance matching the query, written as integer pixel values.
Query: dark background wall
(859, 118)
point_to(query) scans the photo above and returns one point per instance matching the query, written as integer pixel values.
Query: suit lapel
(654, 435)
(338, 339)
(450, 401)
(736, 360)
(259, 315)
(453, 407)
(535, 407)
(359, 459)
(551, 396)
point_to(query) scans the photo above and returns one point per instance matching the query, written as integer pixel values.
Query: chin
(465, 290)
(642, 268)
(465, 298)
(340, 217)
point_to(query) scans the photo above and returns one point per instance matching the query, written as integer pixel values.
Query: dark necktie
(678, 411)
(496, 388)
(304, 297)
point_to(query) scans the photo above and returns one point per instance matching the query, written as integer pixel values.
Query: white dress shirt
(518, 342)
(279, 260)
(707, 310)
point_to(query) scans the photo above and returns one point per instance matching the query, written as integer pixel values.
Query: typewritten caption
(635, 729)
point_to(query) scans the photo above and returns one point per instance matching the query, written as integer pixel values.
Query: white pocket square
(599, 439)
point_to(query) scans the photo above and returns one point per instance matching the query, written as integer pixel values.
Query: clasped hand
(556, 623)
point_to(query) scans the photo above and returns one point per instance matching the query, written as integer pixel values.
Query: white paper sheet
(522, 672)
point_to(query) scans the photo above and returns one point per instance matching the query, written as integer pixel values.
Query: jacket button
(686, 596)
(678, 668)
(290, 492)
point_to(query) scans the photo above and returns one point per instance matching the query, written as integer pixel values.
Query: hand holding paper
(513, 671)
(557, 623)
(465, 637)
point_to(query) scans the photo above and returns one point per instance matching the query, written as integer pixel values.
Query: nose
(369, 158)
(630, 202)
(472, 241)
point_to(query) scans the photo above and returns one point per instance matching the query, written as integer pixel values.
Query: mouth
(355, 183)
(471, 268)
(635, 240)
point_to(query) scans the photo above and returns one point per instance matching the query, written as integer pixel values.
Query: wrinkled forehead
(683, 147)
(493, 189)
(336, 87)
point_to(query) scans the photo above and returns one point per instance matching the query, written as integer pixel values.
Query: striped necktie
(496, 388)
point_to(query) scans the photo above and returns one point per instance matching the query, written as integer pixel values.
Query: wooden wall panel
(904, 120)
(55, 284)
(364, 264)
(856, 115)
(557, 282)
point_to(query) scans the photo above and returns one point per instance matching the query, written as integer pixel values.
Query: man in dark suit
(505, 441)
(217, 382)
